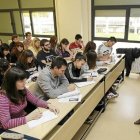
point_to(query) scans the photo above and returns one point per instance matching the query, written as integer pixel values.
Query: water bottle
(113, 57)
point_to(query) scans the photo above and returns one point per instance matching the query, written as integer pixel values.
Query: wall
(73, 17)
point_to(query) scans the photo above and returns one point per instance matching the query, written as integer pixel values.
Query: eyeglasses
(47, 44)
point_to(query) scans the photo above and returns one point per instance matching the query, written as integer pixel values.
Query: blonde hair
(34, 41)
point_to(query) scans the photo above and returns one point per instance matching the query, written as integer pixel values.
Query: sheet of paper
(76, 98)
(82, 84)
(46, 116)
(69, 94)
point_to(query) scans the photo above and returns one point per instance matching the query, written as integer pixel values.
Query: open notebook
(69, 94)
(46, 116)
(73, 96)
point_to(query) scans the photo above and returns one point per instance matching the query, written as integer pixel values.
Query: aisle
(117, 122)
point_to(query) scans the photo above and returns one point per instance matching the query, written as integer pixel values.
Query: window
(134, 26)
(43, 23)
(109, 23)
(26, 22)
(116, 18)
(5, 20)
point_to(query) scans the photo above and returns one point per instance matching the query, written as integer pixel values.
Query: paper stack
(73, 96)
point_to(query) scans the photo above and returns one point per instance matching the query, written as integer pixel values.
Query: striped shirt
(13, 115)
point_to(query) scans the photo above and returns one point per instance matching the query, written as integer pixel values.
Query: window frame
(112, 7)
(20, 10)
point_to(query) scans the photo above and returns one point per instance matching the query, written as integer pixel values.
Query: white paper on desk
(82, 84)
(76, 98)
(69, 94)
(46, 116)
(88, 74)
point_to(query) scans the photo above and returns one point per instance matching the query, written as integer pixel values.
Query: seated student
(77, 45)
(90, 46)
(53, 43)
(16, 51)
(63, 49)
(13, 100)
(0, 44)
(5, 53)
(27, 63)
(74, 71)
(52, 80)
(35, 46)
(46, 55)
(4, 66)
(105, 49)
(91, 59)
(15, 39)
(27, 42)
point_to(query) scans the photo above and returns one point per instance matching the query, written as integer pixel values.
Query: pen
(73, 99)
(39, 110)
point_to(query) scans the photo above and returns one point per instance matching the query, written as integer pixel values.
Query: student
(91, 59)
(52, 80)
(27, 63)
(63, 49)
(15, 39)
(35, 46)
(105, 49)
(13, 100)
(74, 71)
(46, 55)
(90, 46)
(53, 43)
(78, 44)
(27, 42)
(5, 52)
(16, 51)
(4, 66)
(0, 44)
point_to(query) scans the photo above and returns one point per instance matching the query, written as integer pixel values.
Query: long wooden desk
(114, 71)
(91, 96)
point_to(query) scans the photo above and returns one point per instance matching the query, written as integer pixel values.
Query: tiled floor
(117, 122)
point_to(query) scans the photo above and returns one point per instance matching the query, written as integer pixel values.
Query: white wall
(73, 17)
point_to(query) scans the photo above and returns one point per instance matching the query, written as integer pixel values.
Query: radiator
(135, 68)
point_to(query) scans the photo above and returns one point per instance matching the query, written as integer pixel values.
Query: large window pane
(43, 23)
(109, 23)
(18, 24)
(134, 25)
(116, 2)
(5, 23)
(26, 22)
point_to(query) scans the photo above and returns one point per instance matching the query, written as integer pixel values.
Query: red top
(73, 45)
(13, 115)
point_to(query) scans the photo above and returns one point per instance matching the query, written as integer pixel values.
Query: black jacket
(130, 55)
(73, 74)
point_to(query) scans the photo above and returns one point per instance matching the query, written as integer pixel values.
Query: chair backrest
(36, 90)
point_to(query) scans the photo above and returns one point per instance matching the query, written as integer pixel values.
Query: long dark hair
(90, 46)
(15, 50)
(23, 59)
(63, 41)
(9, 85)
(91, 59)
